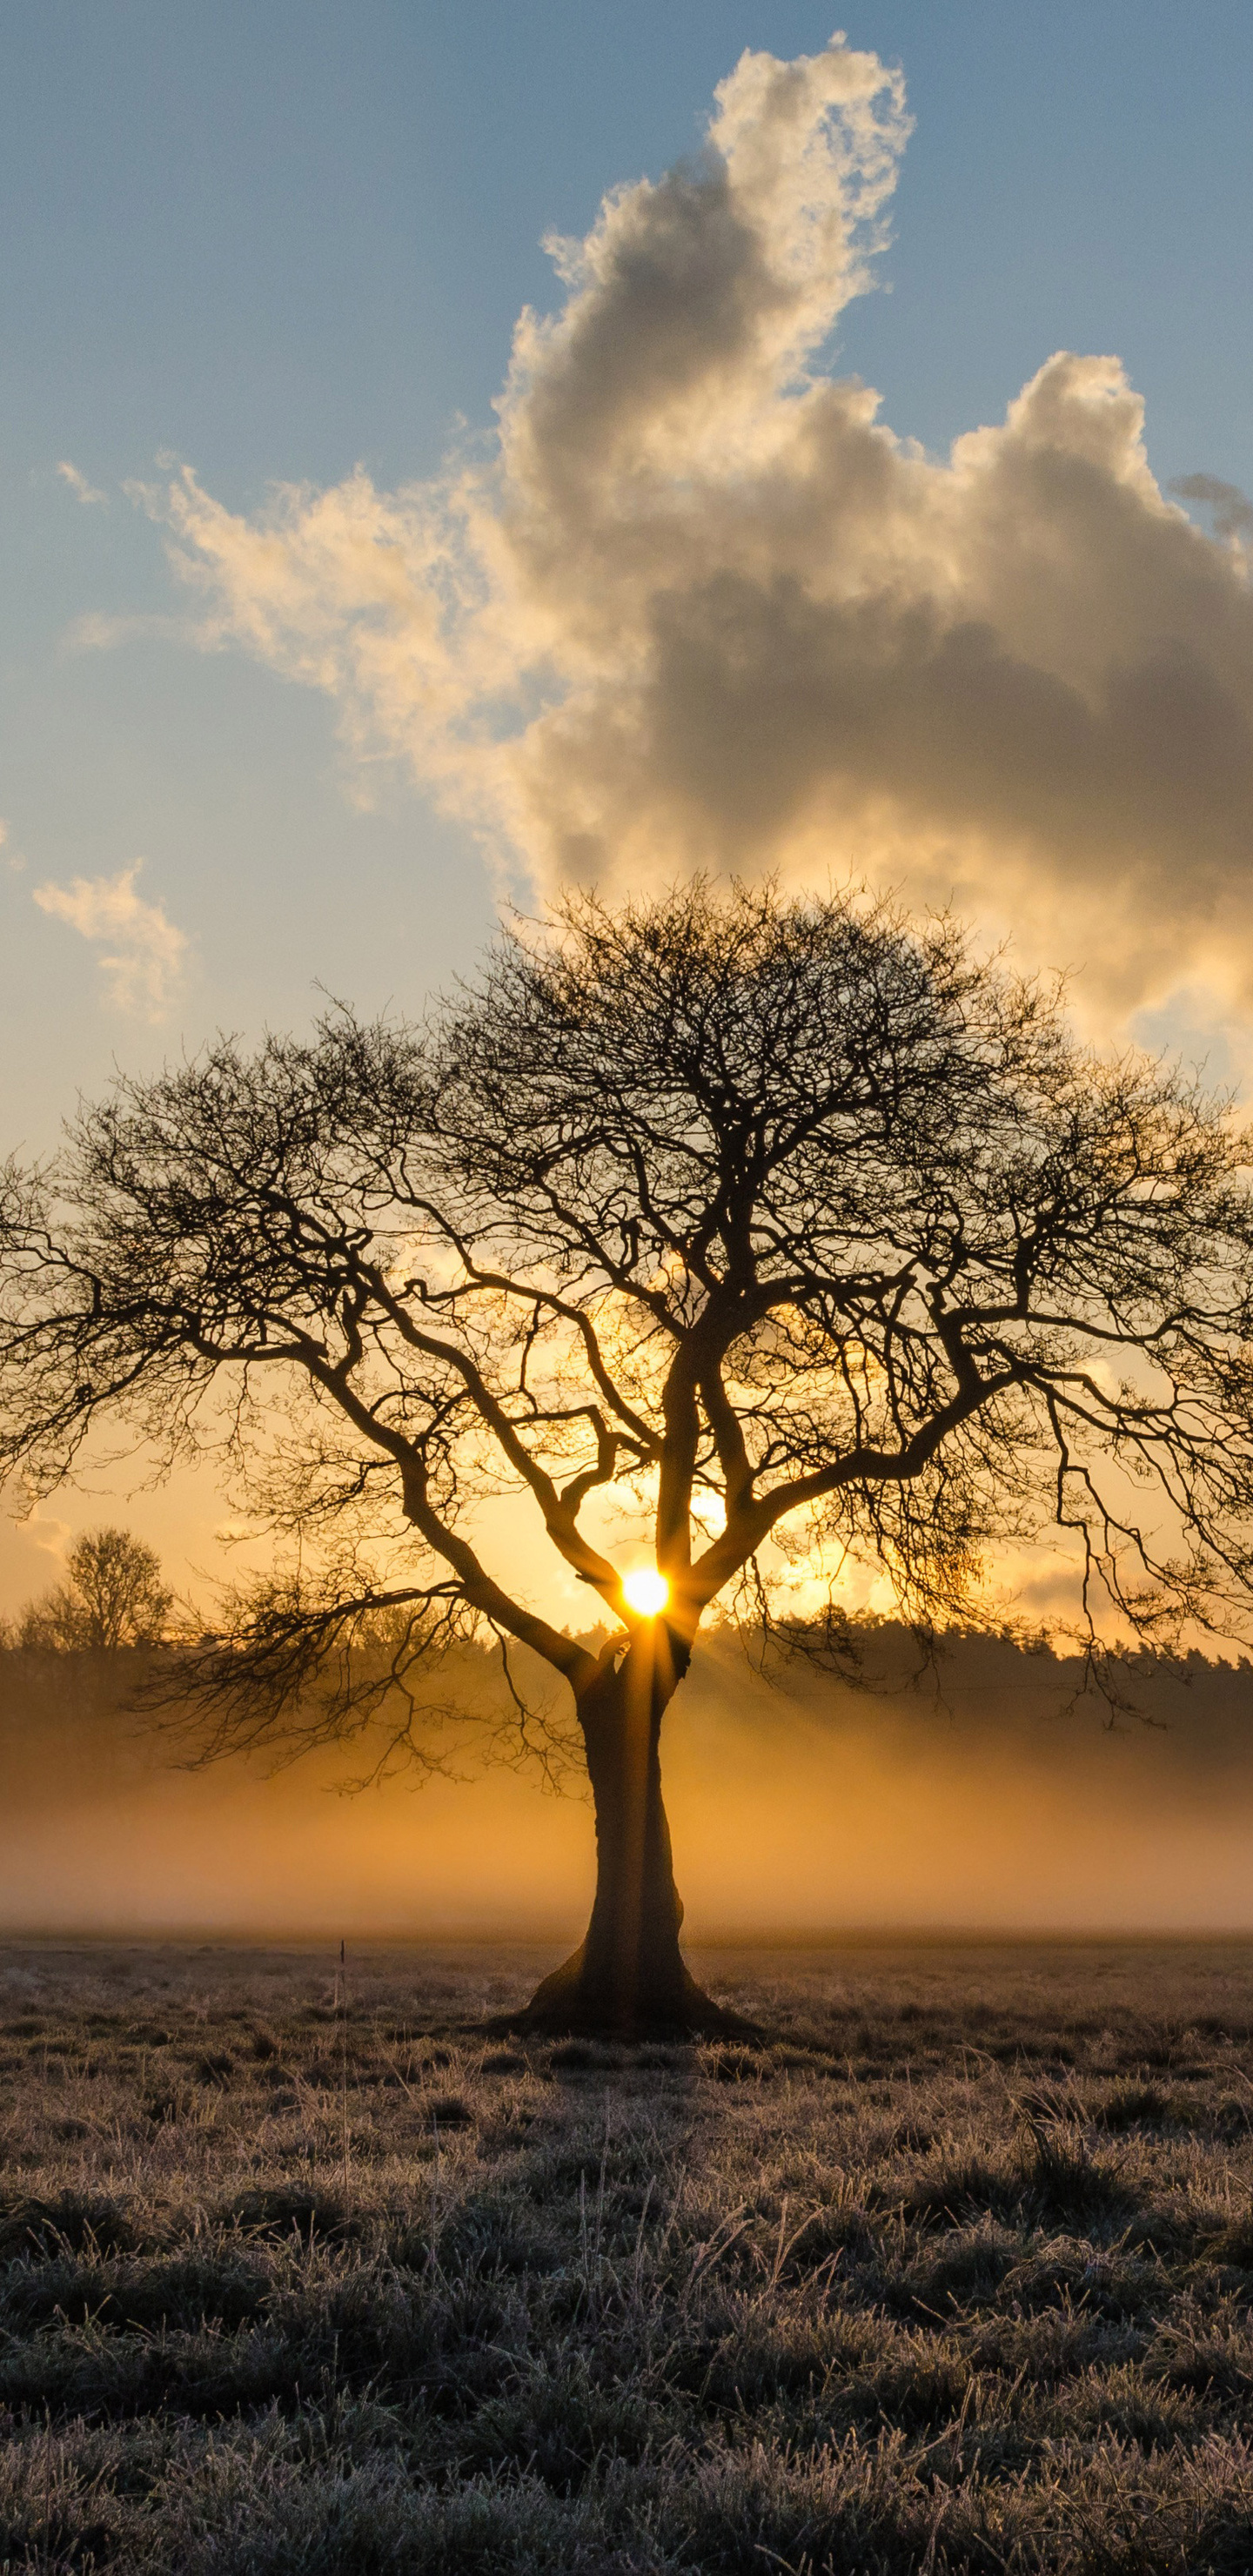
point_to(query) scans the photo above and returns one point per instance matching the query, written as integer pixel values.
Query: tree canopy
(113, 1597)
(792, 1227)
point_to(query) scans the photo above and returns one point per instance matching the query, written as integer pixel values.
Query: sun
(645, 1591)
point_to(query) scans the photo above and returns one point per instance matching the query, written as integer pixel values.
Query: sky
(339, 603)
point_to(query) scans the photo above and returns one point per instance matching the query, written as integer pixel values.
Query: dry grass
(956, 2274)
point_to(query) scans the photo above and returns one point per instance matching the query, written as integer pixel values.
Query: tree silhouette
(114, 1596)
(789, 1227)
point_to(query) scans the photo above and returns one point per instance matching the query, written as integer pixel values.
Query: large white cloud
(703, 608)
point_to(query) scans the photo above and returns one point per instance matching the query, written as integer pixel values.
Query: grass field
(955, 2273)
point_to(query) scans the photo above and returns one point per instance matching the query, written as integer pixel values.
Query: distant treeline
(467, 1707)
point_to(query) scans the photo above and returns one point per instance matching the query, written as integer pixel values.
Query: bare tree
(787, 1227)
(113, 1597)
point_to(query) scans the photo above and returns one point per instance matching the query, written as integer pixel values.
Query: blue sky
(280, 238)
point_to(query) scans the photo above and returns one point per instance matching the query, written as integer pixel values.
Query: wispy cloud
(83, 490)
(50, 1535)
(96, 632)
(145, 968)
(1229, 507)
(703, 608)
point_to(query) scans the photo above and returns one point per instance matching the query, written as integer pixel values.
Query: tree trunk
(628, 1979)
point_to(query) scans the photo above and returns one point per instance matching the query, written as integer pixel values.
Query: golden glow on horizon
(645, 1591)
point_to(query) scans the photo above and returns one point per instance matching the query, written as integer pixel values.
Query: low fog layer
(798, 1806)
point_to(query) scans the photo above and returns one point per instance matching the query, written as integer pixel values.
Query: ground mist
(994, 1793)
(302, 2276)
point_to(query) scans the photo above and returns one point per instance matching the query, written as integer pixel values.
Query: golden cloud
(702, 608)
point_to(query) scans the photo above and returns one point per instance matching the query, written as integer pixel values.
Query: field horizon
(313, 1940)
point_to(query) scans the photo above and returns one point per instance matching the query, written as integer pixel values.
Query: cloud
(81, 488)
(1233, 511)
(50, 1535)
(144, 971)
(97, 633)
(701, 607)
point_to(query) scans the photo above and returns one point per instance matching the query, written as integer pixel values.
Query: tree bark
(628, 1978)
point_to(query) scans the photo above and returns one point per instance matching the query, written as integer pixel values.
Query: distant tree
(786, 1225)
(113, 1596)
